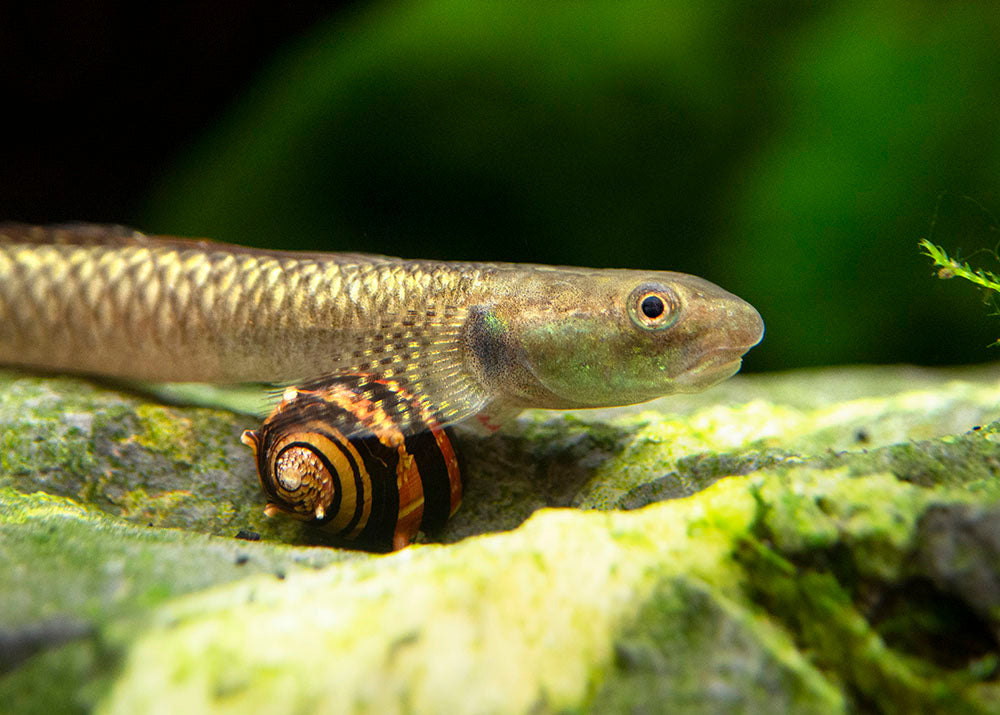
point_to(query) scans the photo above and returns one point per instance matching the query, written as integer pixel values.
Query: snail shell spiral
(378, 485)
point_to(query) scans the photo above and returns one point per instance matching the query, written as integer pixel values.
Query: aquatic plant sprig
(951, 267)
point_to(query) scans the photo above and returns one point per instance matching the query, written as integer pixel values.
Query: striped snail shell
(333, 453)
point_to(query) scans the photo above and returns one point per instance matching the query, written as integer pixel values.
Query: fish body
(462, 336)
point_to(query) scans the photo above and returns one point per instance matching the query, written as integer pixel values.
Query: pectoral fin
(424, 352)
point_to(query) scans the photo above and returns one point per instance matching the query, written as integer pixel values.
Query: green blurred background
(793, 152)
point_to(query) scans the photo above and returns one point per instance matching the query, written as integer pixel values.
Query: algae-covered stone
(149, 463)
(822, 541)
(509, 623)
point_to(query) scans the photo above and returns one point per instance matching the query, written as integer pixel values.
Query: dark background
(793, 152)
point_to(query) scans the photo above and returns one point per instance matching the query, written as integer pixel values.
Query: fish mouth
(723, 361)
(710, 368)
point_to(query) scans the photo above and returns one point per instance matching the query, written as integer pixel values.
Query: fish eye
(653, 306)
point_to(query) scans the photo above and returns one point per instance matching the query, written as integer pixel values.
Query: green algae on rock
(75, 584)
(152, 464)
(581, 608)
(855, 564)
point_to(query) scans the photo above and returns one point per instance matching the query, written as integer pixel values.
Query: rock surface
(816, 541)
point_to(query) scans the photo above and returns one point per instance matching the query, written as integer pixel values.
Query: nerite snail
(333, 453)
